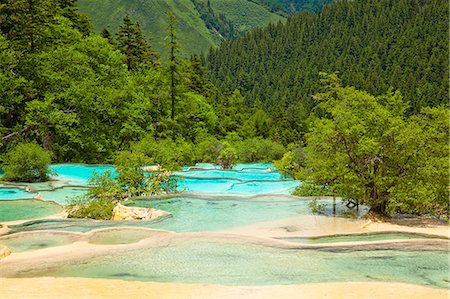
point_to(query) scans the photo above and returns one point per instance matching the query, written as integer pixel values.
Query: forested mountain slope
(200, 26)
(373, 45)
(288, 7)
(244, 14)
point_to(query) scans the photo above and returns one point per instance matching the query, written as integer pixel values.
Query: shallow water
(27, 209)
(120, 236)
(190, 215)
(223, 187)
(63, 195)
(78, 173)
(203, 260)
(252, 175)
(76, 225)
(12, 193)
(33, 241)
(244, 179)
(195, 215)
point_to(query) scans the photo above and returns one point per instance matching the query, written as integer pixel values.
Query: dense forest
(83, 98)
(373, 45)
(289, 7)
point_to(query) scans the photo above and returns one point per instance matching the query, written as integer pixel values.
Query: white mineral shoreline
(315, 226)
(85, 288)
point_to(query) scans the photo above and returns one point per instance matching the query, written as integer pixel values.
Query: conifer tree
(80, 21)
(106, 34)
(173, 47)
(131, 42)
(25, 22)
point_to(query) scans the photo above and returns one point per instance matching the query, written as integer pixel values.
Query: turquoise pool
(78, 173)
(121, 236)
(191, 214)
(70, 181)
(253, 175)
(40, 240)
(63, 195)
(196, 215)
(27, 209)
(205, 260)
(11, 193)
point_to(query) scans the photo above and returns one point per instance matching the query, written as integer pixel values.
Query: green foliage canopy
(368, 150)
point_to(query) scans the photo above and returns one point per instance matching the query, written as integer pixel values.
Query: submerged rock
(4, 251)
(122, 212)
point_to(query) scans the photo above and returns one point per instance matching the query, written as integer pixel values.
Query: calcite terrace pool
(229, 227)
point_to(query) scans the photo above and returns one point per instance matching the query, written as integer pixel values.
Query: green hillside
(194, 35)
(245, 15)
(288, 7)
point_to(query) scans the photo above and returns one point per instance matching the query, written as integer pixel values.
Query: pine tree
(25, 23)
(173, 47)
(197, 74)
(106, 34)
(131, 42)
(148, 54)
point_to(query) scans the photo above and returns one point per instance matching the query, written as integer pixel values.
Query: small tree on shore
(227, 157)
(27, 162)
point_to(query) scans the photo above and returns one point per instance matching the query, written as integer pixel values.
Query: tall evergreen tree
(70, 11)
(172, 45)
(133, 45)
(106, 34)
(26, 22)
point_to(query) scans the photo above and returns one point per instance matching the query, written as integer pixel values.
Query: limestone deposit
(4, 251)
(122, 212)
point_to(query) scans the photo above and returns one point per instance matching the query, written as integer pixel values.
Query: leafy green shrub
(292, 163)
(208, 150)
(227, 157)
(100, 199)
(162, 182)
(258, 150)
(91, 207)
(104, 185)
(130, 175)
(27, 162)
(310, 189)
(166, 152)
(316, 207)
